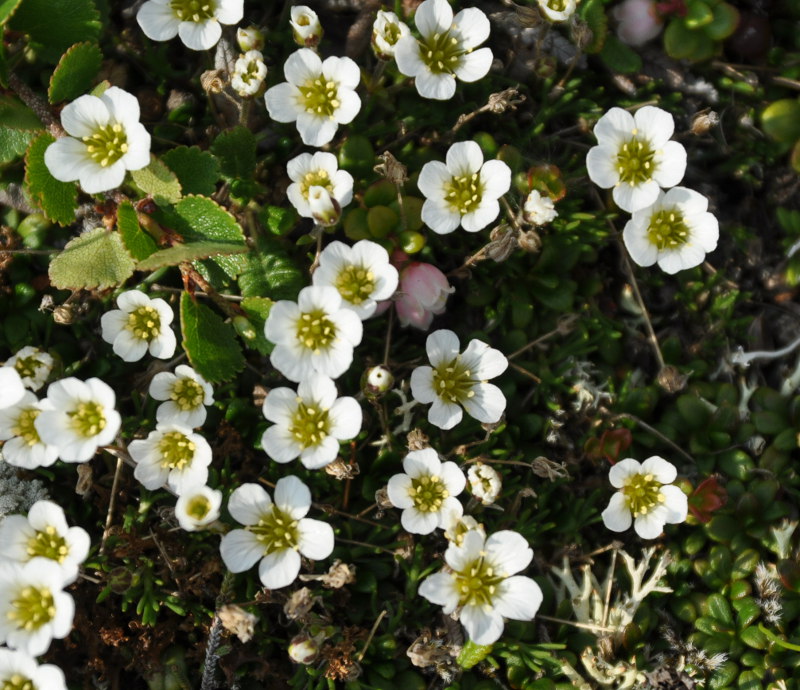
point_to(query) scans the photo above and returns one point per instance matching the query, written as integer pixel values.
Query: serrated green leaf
(279, 220)
(75, 72)
(257, 310)
(236, 150)
(95, 260)
(158, 181)
(55, 25)
(472, 654)
(14, 114)
(197, 171)
(7, 8)
(200, 218)
(139, 244)
(193, 251)
(269, 272)
(619, 57)
(58, 200)
(13, 143)
(209, 342)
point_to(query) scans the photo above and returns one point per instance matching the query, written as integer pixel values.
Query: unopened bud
(244, 328)
(213, 80)
(386, 31)
(251, 38)
(376, 381)
(306, 29)
(64, 315)
(303, 649)
(703, 121)
(529, 241)
(324, 208)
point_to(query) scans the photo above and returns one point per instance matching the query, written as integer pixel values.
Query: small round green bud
(412, 242)
(376, 381)
(244, 328)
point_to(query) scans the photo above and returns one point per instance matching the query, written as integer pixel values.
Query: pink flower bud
(423, 292)
(638, 21)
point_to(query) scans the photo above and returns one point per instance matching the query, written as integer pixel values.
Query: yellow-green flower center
(477, 583)
(250, 72)
(320, 96)
(24, 427)
(557, 5)
(441, 52)
(643, 492)
(187, 394)
(315, 178)
(176, 449)
(193, 10)
(17, 682)
(32, 608)
(48, 543)
(635, 161)
(315, 331)
(277, 531)
(453, 381)
(87, 419)
(198, 507)
(668, 229)
(355, 283)
(464, 193)
(428, 493)
(144, 322)
(391, 33)
(107, 145)
(310, 425)
(27, 366)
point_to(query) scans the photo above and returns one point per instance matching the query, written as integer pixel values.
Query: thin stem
(111, 502)
(371, 635)
(576, 624)
(166, 288)
(388, 343)
(525, 372)
(538, 341)
(657, 434)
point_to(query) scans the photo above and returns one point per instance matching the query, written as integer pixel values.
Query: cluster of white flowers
(197, 23)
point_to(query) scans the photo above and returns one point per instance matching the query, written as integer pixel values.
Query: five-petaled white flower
(427, 491)
(635, 156)
(309, 423)
(33, 607)
(276, 534)
(20, 670)
(318, 170)
(140, 324)
(23, 447)
(249, 73)
(464, 191)
(105, 139)
(676, 231)
(481, 584)
(197, 22)
(558, 10)
(44, 533)
(319, 95)
(646, 497)
(33, 366)
(459, 379)
(172, 456)
(362, 274)
(78, 417)
(446, 49)
(197, 507)
(387, 30)
(185, 394)
(316, 333)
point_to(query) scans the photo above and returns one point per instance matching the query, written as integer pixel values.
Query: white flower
(78, 418)
(11, 387)
(105, 139)
(44, 533)
(635, 157)
(558, 10)
(197, 22)
(484, 482)
(387, 30)
(646, 497)
(456, 526)
(249, 73)
(676, 231)
(19, 671)
(306, 29)
(276, 533)
(186, 395)
(172, 456)
(481, 584)
(538, 209)
(464, 191)
(23, 447)
(320, 96)
(140, 324)
(33, 365)
(446, 50)
(316, 333)
(309, 423)
(33, 607)
(318, 170)
(362, 274)
(197, 507)
(427, 491)
(457, 380)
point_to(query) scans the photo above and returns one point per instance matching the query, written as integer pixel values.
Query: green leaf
(200, 218)
(748, 612)
(158, 181)
(781, 120)
(594, 14)
(55, 25)
(193, 251)
(75, 72)
(137, 241)
(236, 150)
(13, 143)
(14, 114)
(95, 260)
(7, 8)
(472, 654)
(279, 220)
(680, 42)
(58, 200)
(257, 310)
(619, 57)
(698, 15)
(719, 609)
(726, 19)
(754, 638)
(209, 342)
(197, 171)
(270, 272)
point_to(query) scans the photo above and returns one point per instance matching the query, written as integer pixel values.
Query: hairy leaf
(158, 181)
(138, 242)
(197, 171)
(188, 252)
(95, 259)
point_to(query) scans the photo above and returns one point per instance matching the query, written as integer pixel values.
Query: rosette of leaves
(696, 30)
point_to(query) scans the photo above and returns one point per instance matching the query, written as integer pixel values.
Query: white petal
(343, 71)
(316, 539)
(691, 202)
(248, 503)
(407, 56)
(651, 525)
(445, 415)
(676, 503)
(475, 65)
(440, 588)
(292, 496)
(508, 551)
(397, 490)
(464, 158)
(163, 347)
(478, 219)
(280, 405)
(433, 179)
(661, 470)
(84, 116)
(230, 11)
(471, 548)
(280, 325)
(112, 323)
(320, 455)
(495, 178)
(614, 127)
(122, 106)
(617, 516)
(302, 66)
(518, 597)
(279, 443)
(158, 21)
(620, 472)
(642, 250)
(453, 478)
(655, 124)
(350, 105)
(315, 130)
(422, 385)
(11, 388)
(279, 569)
(442, 347)
(282, 102)
(473, 28)
(634, 198)
(422, 463)
(66, 159)
(200, 36)
(240, 550)
(345, 418)
(440, 87)
(433, 16)
(129, 347)
(483, 627)
(601, 166)
(417, 522)
(98, 179)
(440, 217)
(670, 164)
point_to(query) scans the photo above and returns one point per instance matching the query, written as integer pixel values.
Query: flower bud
(558, 10)
(304, 649)
(484, 482)
(251, 38)
(306, 29)
(376, 381)
(422, 294)
(538, 209)
(325, 210)
(386, 31)
(638, 21)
